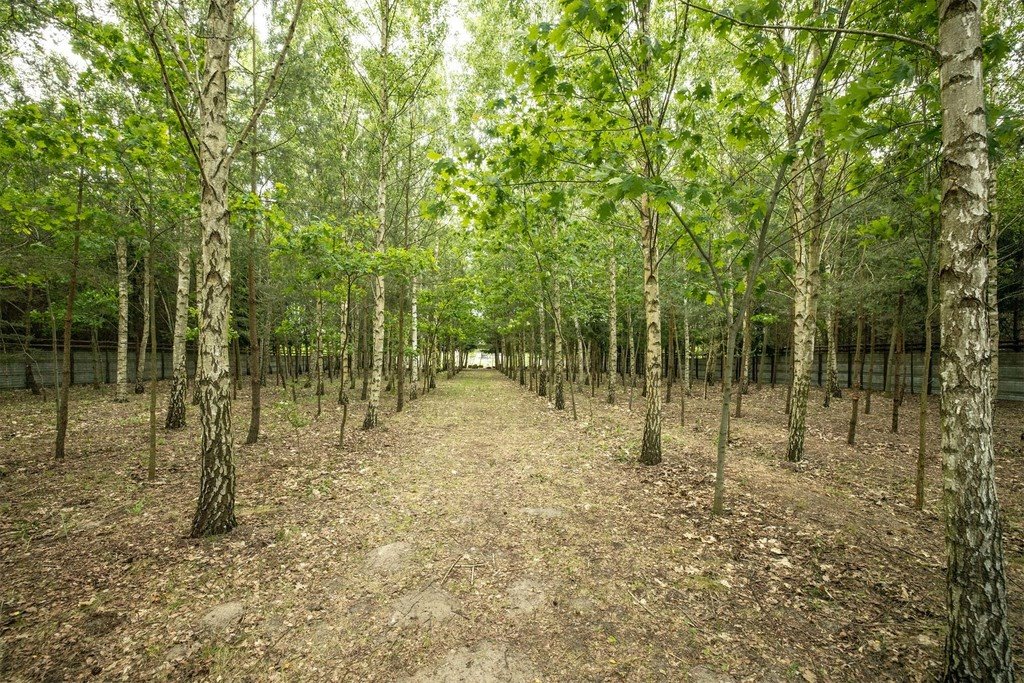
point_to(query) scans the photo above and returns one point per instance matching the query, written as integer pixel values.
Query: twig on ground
(645, 607)
(445, 577)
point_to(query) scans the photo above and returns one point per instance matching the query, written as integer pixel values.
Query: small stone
(389, 558)
(223, 617)
(175, 653)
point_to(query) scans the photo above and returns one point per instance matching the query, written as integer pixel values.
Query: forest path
(501, 552)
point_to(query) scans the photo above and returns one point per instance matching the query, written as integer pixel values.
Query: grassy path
(502, 549)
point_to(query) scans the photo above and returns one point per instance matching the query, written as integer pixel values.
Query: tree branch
(931, 49)
(268, 92)
(186, 129)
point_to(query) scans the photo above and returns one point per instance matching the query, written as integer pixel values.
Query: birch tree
(978, 641)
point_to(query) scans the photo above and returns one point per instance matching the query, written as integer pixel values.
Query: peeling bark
(215, 507)
(977, 645)
(650, 449)
(806, 277)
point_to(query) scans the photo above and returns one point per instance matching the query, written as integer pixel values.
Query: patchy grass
(555, 550)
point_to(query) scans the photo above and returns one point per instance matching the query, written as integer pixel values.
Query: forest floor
(480, 536)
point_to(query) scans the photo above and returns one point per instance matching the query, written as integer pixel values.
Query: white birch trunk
(377, 280)
(121, 395)
(650, 449)
(978, 641)
(176, 401)
(215, 509)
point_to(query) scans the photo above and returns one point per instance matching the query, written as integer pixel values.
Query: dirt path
(498, 552)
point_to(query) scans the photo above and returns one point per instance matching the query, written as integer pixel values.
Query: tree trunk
(887, 383)
(432, 363)
(832, 388)
(764, 355)
(613, 336)
(65, 370)
(650, 449)
(871, 370)
(922, 398)
(352, 362)
(558, 356)
(377, 360)
(775, 362)
(179, 371)
(30, 376)
(364, 353)
(147, 294)
(522, 357)
(992, 289)
(978, 640)
(94, 339)
(898, 379)
(414, 361)
(723, 421)
(687, 382)
(215, 508)
(281, 367)
(709, 369)
(807, 256)
(684, 365)
(342, 394)
(255, 343)
(237, 372)
(669, 355)
(542, 383)
(151, 468)
(595, 358)
(318, 352)
(532, 357)
(400, 351)
(806, 279)
(196, 390)
(377, 279)
(631, 352)
(744, 361)
(858, 365)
